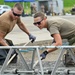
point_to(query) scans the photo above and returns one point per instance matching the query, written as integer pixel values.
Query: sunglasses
(38, 22)
(16, 14)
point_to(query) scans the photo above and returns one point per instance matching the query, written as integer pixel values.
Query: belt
(71, 41)
(70, 37)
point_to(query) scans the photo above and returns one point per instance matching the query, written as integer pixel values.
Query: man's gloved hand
(32, 38)
(43, 55)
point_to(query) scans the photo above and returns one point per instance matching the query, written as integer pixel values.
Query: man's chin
(15, 18)
(41, 28)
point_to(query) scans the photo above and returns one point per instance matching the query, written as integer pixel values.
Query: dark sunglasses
(38, 22)
(16, 14)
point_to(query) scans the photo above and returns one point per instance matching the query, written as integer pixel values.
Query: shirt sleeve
(53, 30)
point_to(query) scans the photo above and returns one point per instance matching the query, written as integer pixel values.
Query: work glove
(32, 38)
(43, 55)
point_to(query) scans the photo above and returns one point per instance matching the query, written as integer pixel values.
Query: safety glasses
(38, 22)
(16, 14)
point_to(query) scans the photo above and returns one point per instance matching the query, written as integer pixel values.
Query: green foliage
(27, 7)
(2, 2)
(67, 9)
(69, 3)
(10, 3)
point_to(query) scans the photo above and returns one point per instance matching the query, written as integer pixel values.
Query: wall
(58, 6)
(55, 6)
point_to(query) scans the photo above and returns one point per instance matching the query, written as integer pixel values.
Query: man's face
(39, 22)
(16, 13)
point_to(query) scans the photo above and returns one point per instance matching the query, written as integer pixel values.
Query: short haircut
(18, 6)
(40, 14)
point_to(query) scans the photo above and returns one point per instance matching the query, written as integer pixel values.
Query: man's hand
(43, 55)
(32, 38)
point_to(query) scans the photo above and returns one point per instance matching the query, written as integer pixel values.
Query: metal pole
(14, 71)
(40, 62)
(5, 63)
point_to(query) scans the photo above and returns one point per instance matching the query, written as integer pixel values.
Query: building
(51, 6)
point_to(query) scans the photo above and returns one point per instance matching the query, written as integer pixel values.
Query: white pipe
(17, 47)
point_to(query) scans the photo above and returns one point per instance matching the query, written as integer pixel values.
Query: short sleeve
(53, 30)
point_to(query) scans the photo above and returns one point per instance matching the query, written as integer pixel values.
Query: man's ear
(45, 18)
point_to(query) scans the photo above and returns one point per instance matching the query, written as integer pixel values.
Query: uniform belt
(70, 37)
(71, 40)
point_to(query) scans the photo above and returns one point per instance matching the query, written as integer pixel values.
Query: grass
(27, 7)
(67, 9)
(68, 4)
